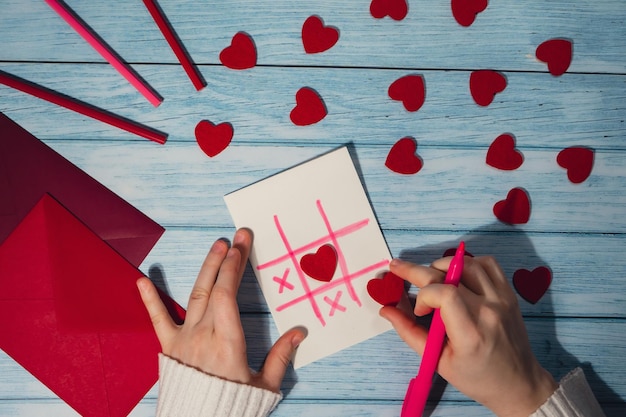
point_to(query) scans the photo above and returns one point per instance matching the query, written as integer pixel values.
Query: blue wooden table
(577, 230)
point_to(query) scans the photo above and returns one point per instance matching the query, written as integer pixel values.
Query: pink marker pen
(419, 387)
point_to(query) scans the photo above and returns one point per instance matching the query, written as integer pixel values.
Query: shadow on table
(514, 250)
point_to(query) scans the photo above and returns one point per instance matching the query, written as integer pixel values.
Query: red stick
(168, 31)
(81, 107)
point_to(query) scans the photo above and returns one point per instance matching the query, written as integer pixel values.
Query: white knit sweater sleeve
(187, 392)
(573, 398)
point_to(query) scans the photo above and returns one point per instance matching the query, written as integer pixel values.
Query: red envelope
(29, 168)
(72, 315)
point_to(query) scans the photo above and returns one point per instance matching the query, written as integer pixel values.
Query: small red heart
(309, 109)
(452, 252)
(515, 209)
(531, 286)
(212, 138)
(396, 9)
(485, 84)
(241, 54)
(320, 265)
(557, 53)
(386, 291)
(410, 90)
(316, 37)
(465, 11)
(402, 157)
(503, 154)
(578, 161)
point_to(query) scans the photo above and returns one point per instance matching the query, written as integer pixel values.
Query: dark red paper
(395, 9)
(578, 161)
(465, 11)
(213, 138)
(402, 157)
(515, 209)
(503, 154)
(320, 265)
(309, 109)
(485, 84)
(410, 90)
(557, 54)
(241, 53)
(387, 290)
(317, 37)
(532, 285)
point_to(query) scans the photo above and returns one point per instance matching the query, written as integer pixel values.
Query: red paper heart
(320, 265)
(386, 291)
(316, 37)
(396, 9)
(212, 138)
(465, 11)
(485, 84)
(531, 286)
(402, 157)
(557, 53)
(515, 209)
(578, 161)
(309, 109)
(241, 54)
(503, 154)
(410, 90)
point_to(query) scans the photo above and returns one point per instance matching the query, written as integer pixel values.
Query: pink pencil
(81, 107)
(179, 50)
(105, 50)
(419, 387)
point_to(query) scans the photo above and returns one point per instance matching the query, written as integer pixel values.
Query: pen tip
(461, 248)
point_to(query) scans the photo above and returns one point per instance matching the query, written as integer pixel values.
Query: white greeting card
(316, 246)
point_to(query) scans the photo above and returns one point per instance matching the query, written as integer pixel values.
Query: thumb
(412, 333)
(279, 358)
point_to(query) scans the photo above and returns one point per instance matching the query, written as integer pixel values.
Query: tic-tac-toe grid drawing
(316, 245)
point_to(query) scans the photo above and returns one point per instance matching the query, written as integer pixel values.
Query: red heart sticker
(396, 9)
(557, 53)
(386, 291)
(402, 157)
(410, 90)
(316, 37)
(503, 154)
(485, 84)
(241, 54)
(465, 11)
(212, 138)
(320, 265)
(532, 285)
(515, 209)
(578, 161)
(309, 109)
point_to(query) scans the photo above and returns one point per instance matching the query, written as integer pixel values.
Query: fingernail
(395, 263)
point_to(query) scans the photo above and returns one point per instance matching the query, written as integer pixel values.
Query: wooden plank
(540, 110)
(504, 36)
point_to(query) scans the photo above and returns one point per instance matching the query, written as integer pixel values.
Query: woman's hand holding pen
(487, 355)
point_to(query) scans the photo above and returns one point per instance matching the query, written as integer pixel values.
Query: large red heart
(531, 286)
(402, 157)
(309, 109)
(465, 11)
(485, 84)
(320, 265)
(503, 154)
(316, 37)
(212, 138)
(396, 9)
(386, 291)
(578, 161)
(557, 53)
(515, 209)
(240, 54)
(410, 90)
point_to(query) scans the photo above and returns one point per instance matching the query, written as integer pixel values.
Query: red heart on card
(320, 265)
(316, 37)
(515, 209)
(557, 53)
(578, 161)
(212, 138)
(410, 90)
(503, 154)
(532, 285)
(387, 290)
(240, 54)
(396, 9)
(402, 157)
(309, 109)
(485, 84)
(465, 11)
